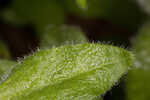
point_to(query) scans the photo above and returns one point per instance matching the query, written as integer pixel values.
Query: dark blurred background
(22, 40)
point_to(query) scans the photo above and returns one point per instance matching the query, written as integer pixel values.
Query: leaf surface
(71, 72)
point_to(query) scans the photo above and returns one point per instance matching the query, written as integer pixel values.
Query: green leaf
(59, 35)
(82, 3)
(120, 12)
(71, 72)
(4, 53)
(138, 78)
(5, 68)
(40, 13)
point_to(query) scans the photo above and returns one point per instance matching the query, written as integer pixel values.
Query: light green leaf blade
(71, 72)
(138, 79)
(56, 35)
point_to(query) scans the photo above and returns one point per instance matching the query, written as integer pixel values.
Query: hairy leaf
(71, 72)
(60, 35)
(138, 79)
(5, 68)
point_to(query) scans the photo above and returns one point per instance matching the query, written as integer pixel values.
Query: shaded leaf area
(82, 71)
(138, 78)
(40, 13)
(4, 52)
(56, 35)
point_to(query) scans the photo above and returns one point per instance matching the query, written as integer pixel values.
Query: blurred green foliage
(123, 12)
(10, 16)
(139, 77)
(40, 12)
(82, 3)
(56, 35)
